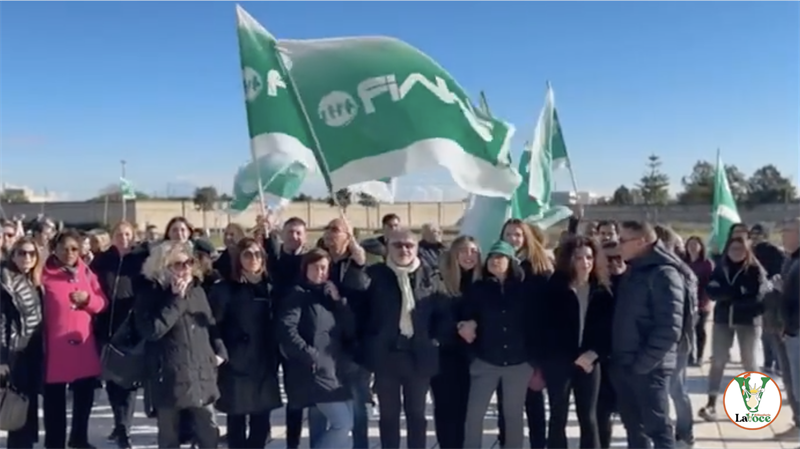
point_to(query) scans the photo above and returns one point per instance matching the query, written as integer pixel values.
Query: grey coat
(649, 314)
(248, 382)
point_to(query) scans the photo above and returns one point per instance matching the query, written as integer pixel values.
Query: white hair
(156, 267)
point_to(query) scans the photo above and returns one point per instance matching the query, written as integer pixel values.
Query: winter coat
(738, 291)
(248, 382)
(117, 276)
(182, 345)
(70, 346)
(314, 330)
(649, 312)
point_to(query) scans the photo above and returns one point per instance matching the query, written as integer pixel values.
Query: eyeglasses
(24, 253)
(252, 255)
(182, 264)
(404, 245)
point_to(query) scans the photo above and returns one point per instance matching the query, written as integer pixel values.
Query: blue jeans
(362, 395)
(684, 422)
(360, 389)
(329, 425)
(793, 354)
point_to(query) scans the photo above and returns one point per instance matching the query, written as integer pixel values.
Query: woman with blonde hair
(183, 348)
(21, 347)
(460, 267)
(537, 265)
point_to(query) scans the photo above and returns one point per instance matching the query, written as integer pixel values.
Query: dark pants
(778, 346)
(535, 414)
(205, 432)
(770, 358)
(25, 376)
(644, 407)
(55, 413)
(563, 379)
(399, 387)
(450, 389)
(123, 403)
(701, 336)
(294, 427)
(606, 406)
(248, 431)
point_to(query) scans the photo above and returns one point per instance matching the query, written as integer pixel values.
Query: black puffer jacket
(738, 291)
(182, 346)
(248, 382)
(314, 330)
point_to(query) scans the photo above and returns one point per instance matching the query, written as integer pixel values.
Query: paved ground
(721, 434)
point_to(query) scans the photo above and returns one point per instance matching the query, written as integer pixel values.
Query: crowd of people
(612, 317)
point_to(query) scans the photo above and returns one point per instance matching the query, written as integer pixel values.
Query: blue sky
(85, 84)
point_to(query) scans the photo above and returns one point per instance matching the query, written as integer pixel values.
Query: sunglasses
(252, 255)
(403, 245)
(24, 253)
(182, 264)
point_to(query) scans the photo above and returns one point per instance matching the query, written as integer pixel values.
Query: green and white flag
(281, 178)
(126, 190)
(368, 108)
(724, 213)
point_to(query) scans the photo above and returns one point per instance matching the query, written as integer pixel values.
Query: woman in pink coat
(72, 296)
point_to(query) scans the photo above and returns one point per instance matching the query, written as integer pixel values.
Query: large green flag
(724, 213)
(368, 108)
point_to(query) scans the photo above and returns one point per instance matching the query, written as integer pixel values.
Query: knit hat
(205, 247)
(504, 249)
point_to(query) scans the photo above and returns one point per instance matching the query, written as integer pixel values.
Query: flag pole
(121, 193)
(299, 99)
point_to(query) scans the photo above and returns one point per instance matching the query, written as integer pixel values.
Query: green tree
(698, 187)
(622, 196)
(343, 199)
(768, 185)
(654, 185)
(367, 200)
(205, 198)
(14, 196)
(303, 198)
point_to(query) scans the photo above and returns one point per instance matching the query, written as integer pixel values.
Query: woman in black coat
(315, 327)
(183, 349)
(460, 268)
(21, 345)
(248, 382)
(737, 286)
(576, 310)
(118, 271)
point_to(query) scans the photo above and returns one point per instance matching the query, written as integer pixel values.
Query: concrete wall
(319, 214)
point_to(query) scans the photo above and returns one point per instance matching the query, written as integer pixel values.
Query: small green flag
(126, 190)
(724, 213)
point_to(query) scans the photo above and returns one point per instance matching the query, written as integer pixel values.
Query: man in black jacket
(772, 259)
(644, 356)
(790, 287)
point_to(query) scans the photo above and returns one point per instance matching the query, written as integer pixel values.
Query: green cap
(504, 249)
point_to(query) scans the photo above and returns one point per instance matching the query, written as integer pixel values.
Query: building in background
(568, 197)
(13, 193)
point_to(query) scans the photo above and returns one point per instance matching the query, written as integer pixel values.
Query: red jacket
(70, 349)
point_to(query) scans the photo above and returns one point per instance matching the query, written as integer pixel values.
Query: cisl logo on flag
(752, 400)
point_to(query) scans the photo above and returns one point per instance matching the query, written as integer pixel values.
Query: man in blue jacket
(649, 322)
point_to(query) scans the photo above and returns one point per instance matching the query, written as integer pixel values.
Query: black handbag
(13, 408)
(123, 359)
